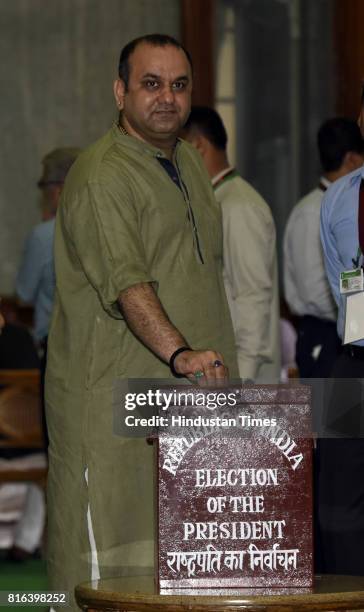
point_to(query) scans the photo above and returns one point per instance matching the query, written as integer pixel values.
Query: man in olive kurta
(138, 267)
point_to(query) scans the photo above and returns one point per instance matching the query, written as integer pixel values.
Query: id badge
(354, 320)
(351, 281)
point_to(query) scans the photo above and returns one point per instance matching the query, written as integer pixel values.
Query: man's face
(49, 199)
(158, 99)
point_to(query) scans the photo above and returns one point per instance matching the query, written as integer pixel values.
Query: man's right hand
(202, 367)
(147, 319)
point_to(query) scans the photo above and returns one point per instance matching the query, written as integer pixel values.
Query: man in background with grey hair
(36, 281)
(36, 278)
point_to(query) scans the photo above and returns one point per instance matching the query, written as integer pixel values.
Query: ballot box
(234, 489)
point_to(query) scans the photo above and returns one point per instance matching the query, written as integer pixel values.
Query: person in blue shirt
(36, 280)
(341, 448)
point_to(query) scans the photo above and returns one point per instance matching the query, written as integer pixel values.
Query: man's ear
(55, 197)
(200, 142)
(119, 93)
(353, 160)
(196, 139)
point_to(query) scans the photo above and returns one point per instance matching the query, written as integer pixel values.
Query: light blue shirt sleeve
(36, 279)
(30, 272)
(339, 234)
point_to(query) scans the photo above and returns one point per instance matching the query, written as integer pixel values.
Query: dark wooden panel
(349, 55)
(198, 38)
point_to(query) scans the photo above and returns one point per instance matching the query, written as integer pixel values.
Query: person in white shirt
(307, 290)
(249, 251)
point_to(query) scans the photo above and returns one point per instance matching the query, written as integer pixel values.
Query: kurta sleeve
(104, 228)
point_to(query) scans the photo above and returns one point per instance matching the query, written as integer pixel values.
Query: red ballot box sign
(234, 494)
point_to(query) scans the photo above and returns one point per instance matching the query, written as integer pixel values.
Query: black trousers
(340, 484)
(314, 332)
(43, 365)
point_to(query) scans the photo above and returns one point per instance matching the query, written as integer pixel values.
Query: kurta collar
(325, 182)
(218, 177)
(356, 176)
(139, 145)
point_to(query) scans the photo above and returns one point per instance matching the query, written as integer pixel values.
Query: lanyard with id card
(351, 285)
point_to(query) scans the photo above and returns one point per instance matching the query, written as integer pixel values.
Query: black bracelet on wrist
(173, 357)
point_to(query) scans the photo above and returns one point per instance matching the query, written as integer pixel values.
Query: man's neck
(332, 176)
(167, 146)
(336, 174)
(216, 163)
(47, 215)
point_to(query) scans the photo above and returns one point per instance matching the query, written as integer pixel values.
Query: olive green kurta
(122, 221)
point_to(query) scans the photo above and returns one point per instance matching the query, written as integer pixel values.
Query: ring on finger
(198, 374)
